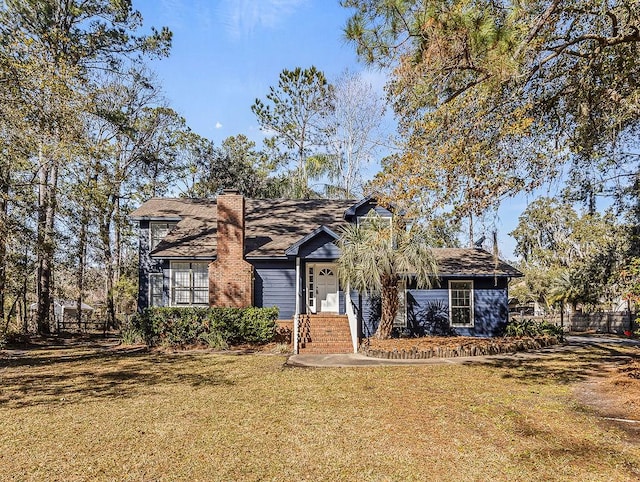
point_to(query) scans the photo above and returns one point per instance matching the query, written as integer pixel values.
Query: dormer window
(158, 231)
(374, 223)
(381, 221)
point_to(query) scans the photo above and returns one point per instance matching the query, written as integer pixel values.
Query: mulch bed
(449, 347)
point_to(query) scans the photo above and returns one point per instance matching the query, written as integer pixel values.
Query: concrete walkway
(357, 360)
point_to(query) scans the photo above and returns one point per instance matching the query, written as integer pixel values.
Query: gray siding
(274, 285)
(342, 307)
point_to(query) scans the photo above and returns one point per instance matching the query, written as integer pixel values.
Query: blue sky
(226, 53)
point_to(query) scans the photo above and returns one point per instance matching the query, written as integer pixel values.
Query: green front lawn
(96, 414)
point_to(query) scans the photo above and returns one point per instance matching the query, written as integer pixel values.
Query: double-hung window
(189, 284)
(158, 231)
(461, 303)
(155, 289)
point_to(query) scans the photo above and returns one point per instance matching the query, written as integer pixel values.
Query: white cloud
(218, 125)
(242, 17)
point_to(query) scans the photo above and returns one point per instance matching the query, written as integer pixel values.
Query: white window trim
(170, 225)
(471, 297)
(310, 293)
(316, 269)
(150, 296)
(367, 218)
(171, 290)
(360, 220)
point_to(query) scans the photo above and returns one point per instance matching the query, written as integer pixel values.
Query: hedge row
(218, 327)
(532, 328)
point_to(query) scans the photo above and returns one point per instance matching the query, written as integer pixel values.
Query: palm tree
(377, 255)
(564, 289)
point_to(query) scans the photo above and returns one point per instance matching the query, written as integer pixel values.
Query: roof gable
(294, 249)
(277, 228)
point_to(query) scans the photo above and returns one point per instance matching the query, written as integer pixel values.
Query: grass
(90, 413)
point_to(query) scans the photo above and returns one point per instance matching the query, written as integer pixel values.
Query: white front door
(322, 288)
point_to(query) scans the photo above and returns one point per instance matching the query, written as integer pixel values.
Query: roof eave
(155, 218)
(173, 258)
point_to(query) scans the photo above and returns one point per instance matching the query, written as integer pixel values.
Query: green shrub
(216, 327)
(258, 325)
(214, 339)
(531, 328)
(131, 336)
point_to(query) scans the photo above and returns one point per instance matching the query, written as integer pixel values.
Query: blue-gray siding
(148, 265)
(365, 208)
(321, 246)
(428, 310)
(274, 285)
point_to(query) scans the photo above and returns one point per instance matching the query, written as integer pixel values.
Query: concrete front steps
(324, 334)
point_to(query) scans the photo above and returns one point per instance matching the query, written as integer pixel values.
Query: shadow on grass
(74, 375)
(564, 365)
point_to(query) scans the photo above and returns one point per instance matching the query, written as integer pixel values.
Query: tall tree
(134, 135)
(376, 256)
(294, 113)
(495, 97)
(562, 248)
(354, 127)
(67, 41)
(236, 165)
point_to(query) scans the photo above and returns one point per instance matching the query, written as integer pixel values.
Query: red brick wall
(230, 276)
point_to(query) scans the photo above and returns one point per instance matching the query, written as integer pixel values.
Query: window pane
(155, 290)
(190, 283)
(461, 299)
(182, 297)
(201, 297)
(159, 231)
(200, 275)
(181, 279)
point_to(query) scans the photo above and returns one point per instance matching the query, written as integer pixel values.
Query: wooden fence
(601, 322)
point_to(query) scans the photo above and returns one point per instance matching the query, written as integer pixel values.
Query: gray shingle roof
(471, 262)
(273, 225)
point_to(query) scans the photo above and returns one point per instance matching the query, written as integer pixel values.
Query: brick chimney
(230, 276)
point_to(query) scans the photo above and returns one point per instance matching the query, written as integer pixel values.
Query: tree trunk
(117, 242)
(82, 254)
(4, 239)
(44, 249)
(390, 302)
(107, 256)
(25, 308)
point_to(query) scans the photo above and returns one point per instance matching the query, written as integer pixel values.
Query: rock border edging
(415, 353)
